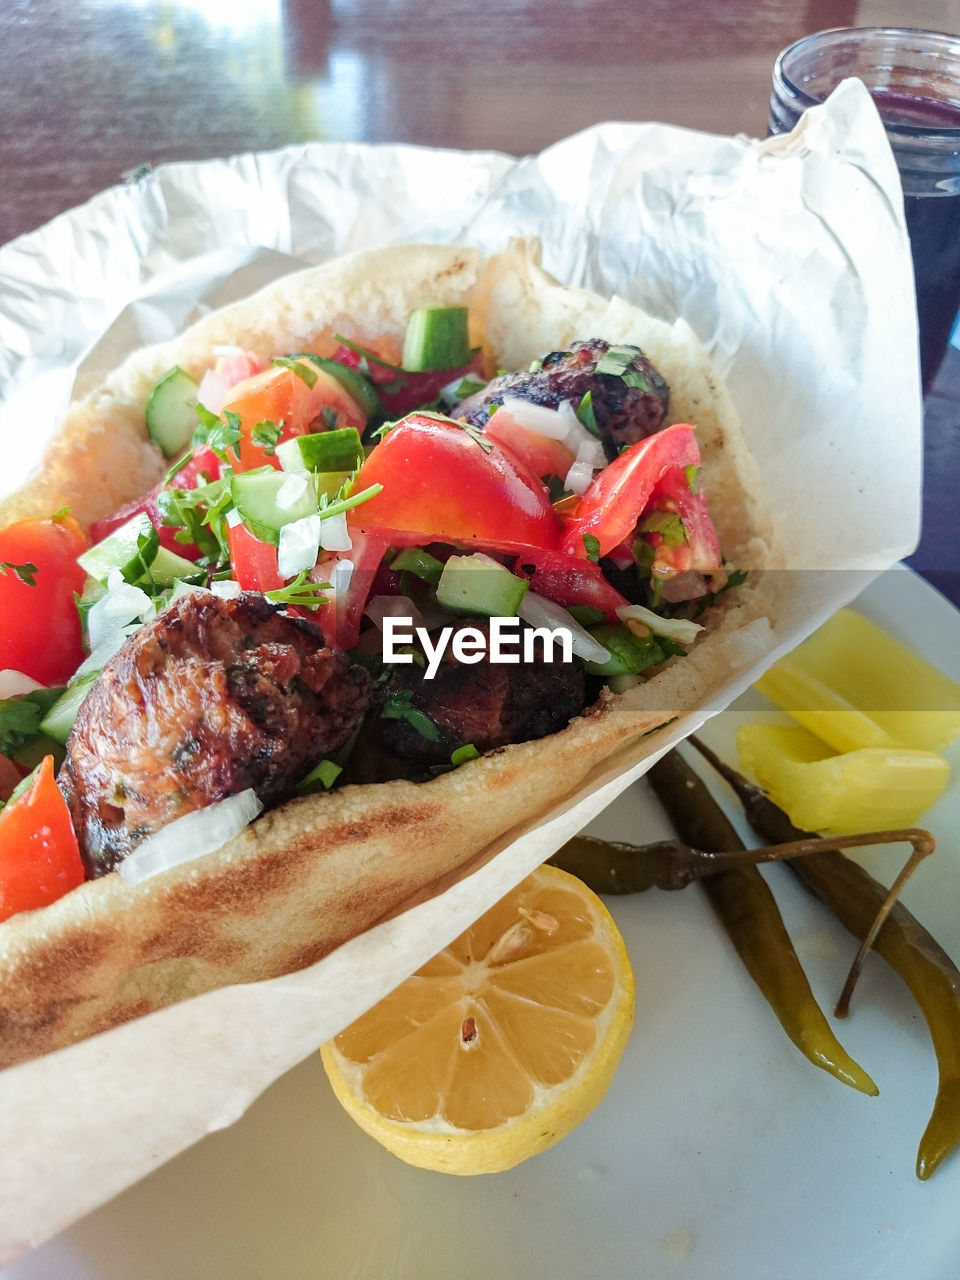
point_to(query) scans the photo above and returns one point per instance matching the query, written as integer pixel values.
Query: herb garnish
(399, 706)
(301, 592)
(26, 572)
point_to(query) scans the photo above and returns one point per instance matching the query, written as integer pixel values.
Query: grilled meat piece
(628, 406)
(486, 704)
(211, 697)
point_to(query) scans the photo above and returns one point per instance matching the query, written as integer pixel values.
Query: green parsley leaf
(26, 572)
(587, 416)
(616, 362)
(369, 356)
(301, 592)
(321, 778)
(668, 524)
(303, 371)
(20, 718)
(478, 436)
(591, 546)
(267, 435)
(399, 706)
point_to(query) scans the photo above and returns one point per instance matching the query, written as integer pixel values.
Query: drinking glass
(914, 78)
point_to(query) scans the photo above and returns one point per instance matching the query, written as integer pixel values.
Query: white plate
(719, 1153)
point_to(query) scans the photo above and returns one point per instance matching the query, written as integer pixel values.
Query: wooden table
(88, 91)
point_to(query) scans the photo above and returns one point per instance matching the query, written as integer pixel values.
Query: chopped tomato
(340, 616)
(203, 467)
(613, 503)
(39, 854)
(399, 391)
(567, 580)
(295, 404)
(237, 366)
(40, 635)
(11, 775)
(253, 563)
(441, 485)
(544, 457)
(701, 550)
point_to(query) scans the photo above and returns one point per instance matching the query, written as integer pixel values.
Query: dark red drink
(914, 78)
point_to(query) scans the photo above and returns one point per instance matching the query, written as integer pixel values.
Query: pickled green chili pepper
(749, 913)
(854, 897)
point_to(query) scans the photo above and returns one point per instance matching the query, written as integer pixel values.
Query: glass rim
(936, 38)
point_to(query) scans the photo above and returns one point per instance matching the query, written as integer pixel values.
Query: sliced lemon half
(502, 1043)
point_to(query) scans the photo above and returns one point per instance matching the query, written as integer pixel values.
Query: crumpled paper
(790, 259)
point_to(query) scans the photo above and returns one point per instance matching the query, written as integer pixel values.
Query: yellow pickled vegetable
(869, 789)
(854, 686)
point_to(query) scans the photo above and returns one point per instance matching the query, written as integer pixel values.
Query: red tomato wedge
(341, 614)
(40, 635)
(613, 503)
(442, 485)
(252, 563)
(543, 456)
(39, 854)
(568, 580)
(296, 404)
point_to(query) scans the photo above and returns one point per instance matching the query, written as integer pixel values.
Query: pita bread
(317, 871)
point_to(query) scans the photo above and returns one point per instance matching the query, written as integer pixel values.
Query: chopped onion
(212, 391)
(541, 612)
(225, 588)
(233, 517)
(380, 607)
(227, 349)
(14, 683)
(299, 546)
(578, 478)
(334, 535)
(340, 577)
(195, 834)
(121, 604)
(680, 629)
(536, 417)
(291, 491)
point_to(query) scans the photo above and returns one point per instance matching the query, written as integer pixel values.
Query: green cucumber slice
(135, 550)
(353, 382)
(629, 654)
(477, 584)
(338, 450)
(255, 495)
(436, 338)
(58, 721)
(171, 412)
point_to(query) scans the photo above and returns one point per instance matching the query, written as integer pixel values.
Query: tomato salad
(346, 489)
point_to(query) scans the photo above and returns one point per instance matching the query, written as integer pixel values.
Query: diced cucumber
(629, 654)
(135, 550)
(338, 450)
(171, 412)
(353, 382)
(418, 562)
(255, 495)
(436, 338)
(477, 584)
(58, 721)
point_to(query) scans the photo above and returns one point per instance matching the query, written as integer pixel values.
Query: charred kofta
(483, 704)
(211, 697)
(628, 397)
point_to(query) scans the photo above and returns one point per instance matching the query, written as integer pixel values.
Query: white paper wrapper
(790, 259)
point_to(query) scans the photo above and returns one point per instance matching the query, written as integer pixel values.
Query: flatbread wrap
(318, 869)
